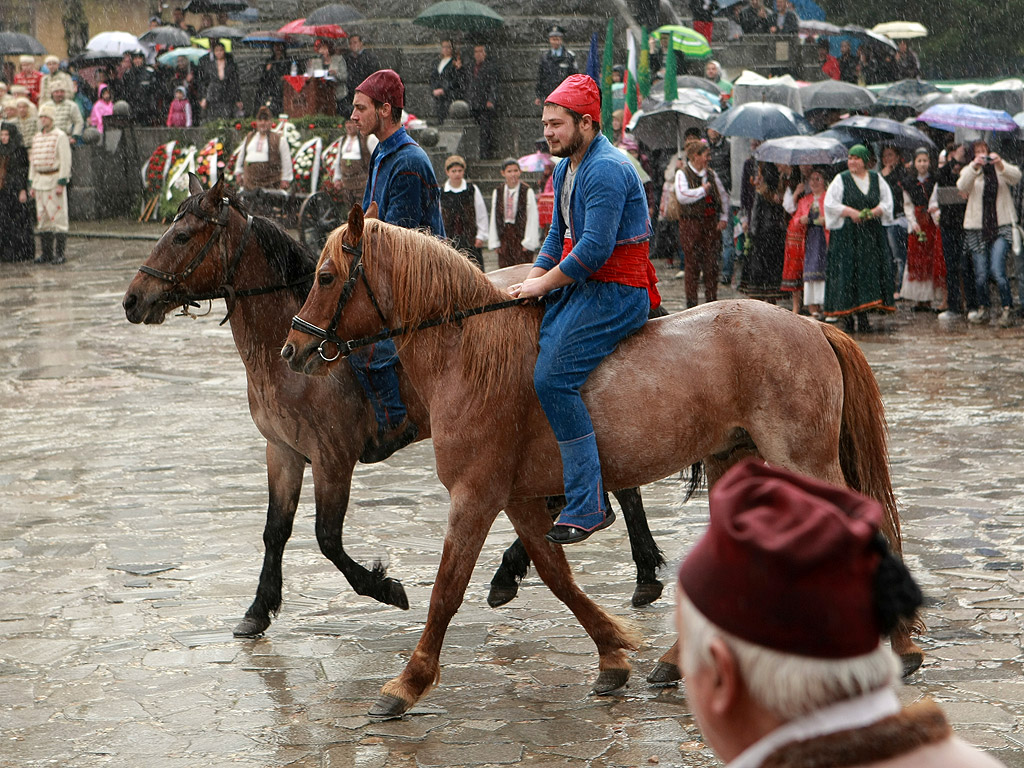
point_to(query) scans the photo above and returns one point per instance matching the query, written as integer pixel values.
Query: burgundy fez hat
(384, 86)
(788, 563)
(580, 94)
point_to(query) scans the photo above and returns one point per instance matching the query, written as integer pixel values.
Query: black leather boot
(61, 241)
(388, 441)
(45, 248)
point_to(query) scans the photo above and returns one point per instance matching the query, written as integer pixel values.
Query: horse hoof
(911, 662)
(394, 594)
(645, 594)
(388, 707)
(251, 627)
(501, 594)
(610, 680)
(664, 674)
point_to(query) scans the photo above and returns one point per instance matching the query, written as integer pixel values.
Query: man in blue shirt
(402, 183)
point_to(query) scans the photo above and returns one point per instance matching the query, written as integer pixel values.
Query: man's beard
(572, 146)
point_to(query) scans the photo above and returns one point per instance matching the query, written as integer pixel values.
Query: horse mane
(430, 279)
(289, 259)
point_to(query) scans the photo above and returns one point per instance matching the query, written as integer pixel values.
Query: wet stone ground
(133, 497)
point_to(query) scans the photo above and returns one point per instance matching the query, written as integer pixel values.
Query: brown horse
(265, 276)
(713, 384)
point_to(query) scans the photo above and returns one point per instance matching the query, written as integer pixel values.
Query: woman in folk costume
(514, 225)
(17, 242)
(703, 215)
(762, 272)
(925, 276)
(859, 274)
(463, 211)
(803, 272)
(597, 284)
(49, 175)
(265, 161)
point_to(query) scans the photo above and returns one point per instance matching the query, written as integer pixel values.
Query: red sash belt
(630, 265)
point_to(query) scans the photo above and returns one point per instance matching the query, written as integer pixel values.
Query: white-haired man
(780, 628)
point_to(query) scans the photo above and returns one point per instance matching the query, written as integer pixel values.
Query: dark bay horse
(264, 276)
(714, 384)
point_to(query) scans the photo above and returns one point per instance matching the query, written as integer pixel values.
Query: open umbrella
(170, 58)
(300, 27)
(114, 43)
(841, 135)
(18, 44)
(215, 6)
(835, 94)
(905, 93)
(464, 15)
(535, 162)
(265, 39)
(953, 116)
(662, 124)
(334, 14)
(1007, 95)
(221, 32)
(869, 37)
(802, 150)
(691, 42)
(166, 35)
(884, 130)
(815, 27)
(761, 120)
(900, 30)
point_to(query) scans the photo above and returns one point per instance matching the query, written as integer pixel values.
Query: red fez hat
(788, 563)
(384, 86)
(580, 94)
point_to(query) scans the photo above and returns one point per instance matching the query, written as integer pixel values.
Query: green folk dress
(859, 271)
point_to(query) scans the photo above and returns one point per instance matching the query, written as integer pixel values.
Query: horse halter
(226, 291)
(329, 335)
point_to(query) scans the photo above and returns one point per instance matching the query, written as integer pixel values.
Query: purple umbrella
(953, 116)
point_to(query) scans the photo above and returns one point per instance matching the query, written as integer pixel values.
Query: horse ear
(217, 190)
(195, 186)
(371, 212)
(355, 222)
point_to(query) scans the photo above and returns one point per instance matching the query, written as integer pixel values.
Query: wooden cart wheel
(318, 217)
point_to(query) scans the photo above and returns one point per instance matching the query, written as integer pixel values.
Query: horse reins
(226, 291)
(329, 335)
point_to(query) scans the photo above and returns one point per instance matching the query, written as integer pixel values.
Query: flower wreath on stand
(210, 163)
(291, 134)
(328, 166)
(306, 166)
(228, 170)
(154, 173)
(175, 187)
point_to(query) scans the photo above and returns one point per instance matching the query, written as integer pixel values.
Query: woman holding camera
(988, 226)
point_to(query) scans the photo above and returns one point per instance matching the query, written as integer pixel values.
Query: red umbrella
(299, 27)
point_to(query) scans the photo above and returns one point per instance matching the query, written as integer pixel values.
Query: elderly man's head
(778, 614)
(713, 71)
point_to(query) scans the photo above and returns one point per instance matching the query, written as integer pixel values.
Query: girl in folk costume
(265, 161)
(702, 217)
(352, 165)
(514, 227)
(859, 272)
(807, 248)
(16, 240)
(762, 273)
(49, 176)
(925, 275)
(463, 211)
(793, 253)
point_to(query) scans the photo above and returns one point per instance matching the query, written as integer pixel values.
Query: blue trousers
(897, 237)
(374, 367)
(990, 261)
(582, 325)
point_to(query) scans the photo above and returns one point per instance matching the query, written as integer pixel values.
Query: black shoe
(389, 441)
(570, 534)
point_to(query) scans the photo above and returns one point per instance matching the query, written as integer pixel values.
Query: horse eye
(181, 238)
(325, 278)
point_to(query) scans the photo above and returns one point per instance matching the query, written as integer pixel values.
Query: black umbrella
(885, 131)
(334, 14)
(216, 33)
(660, 125)
(15, 43)
(844, 137)
(761, 120)
(835, 94)
(905, 93)
(802, 150)
(95, 58)
(167, 36)
(215, 6)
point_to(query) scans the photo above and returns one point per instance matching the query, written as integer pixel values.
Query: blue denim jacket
(608, 208)
(403, 185)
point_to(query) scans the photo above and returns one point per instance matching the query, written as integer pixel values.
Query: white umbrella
(116, 44)
(900, 30)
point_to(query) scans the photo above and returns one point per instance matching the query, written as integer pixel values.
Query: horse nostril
(287, 351)
(130, 301)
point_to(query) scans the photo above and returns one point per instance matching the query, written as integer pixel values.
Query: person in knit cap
(597, 285)
(403, 185)
(54, 76)
(67, 116)
(49, 175)
(781, 609)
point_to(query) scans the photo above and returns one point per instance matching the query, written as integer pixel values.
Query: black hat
(556, 31)
(619, 68)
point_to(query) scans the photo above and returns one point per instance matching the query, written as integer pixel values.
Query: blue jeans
(582, 325)
(374, 367)
(897, 237)
(728, 253)
(990, 261)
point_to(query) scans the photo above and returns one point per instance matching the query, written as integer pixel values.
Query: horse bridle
(329, 335)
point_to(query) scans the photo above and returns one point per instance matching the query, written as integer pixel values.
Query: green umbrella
(692, 43)
(192, 54)
(463, 15)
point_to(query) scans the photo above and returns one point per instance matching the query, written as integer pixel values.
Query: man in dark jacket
(756, 19)
(140, 88)
(360, 63)
(482, 95)
(555, 65)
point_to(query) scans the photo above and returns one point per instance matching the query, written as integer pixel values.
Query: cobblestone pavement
(130, 542)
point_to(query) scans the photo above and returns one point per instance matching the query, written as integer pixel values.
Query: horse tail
(863, 435)
(697, 478)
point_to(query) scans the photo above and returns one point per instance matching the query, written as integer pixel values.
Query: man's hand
(478, 243)
(285, 184)
(438, 92)
(722, 225)
(59, 190)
